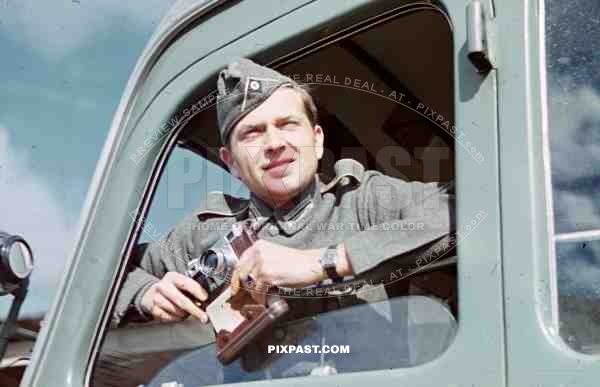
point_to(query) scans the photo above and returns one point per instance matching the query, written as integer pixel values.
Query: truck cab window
(389, 108)
(186, 181)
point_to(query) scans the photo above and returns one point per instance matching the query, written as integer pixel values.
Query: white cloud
(575, 211)
(575, 148)
(29, 208)
(55, 28)
(575, 127)
(575, 144)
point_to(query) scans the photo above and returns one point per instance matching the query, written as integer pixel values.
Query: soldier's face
(274, 149)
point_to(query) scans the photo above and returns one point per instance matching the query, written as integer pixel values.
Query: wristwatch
(328, 261)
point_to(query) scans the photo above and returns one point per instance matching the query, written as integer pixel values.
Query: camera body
(213, 269)
(237, 320)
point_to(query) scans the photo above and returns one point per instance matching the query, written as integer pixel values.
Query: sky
(63, 68)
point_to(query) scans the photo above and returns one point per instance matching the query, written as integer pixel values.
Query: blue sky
(64, 66)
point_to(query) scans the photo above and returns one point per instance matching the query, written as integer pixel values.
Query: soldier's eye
(290, 124)
(251, 133)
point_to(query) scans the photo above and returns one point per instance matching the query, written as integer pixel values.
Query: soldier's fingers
(252, 279)
(163, 315)
(187, 284)
(235, 281)
(259, 292)
(166, 305)
(247, 276)
(173, 294)
(246, 263)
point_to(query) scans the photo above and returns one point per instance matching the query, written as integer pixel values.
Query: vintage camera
(214, 268)
(237, 320)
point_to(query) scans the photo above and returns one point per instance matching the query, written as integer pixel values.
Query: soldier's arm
(188, 240)
(411, 222)
(150, 263)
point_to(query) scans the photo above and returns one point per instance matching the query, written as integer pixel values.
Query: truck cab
(499, 98)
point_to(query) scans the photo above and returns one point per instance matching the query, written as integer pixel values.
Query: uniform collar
(293, 219)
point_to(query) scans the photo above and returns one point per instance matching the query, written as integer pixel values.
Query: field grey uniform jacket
(377, 218)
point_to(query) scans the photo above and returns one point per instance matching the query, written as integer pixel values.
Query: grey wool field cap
(242, 87)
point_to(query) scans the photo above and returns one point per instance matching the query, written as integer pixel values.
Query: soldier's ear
(319, 140)
(228, 159)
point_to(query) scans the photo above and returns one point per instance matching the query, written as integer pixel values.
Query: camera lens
(210, 262)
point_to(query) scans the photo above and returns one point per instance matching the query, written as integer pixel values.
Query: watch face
(328, 258)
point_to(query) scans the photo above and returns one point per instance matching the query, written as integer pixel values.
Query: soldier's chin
(281, 189)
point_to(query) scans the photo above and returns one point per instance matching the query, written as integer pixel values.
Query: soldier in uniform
(361, 224)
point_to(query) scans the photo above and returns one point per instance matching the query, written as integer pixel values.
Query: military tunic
(384, 223)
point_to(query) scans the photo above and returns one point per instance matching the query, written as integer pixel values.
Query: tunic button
(345, 180)
(273, 230)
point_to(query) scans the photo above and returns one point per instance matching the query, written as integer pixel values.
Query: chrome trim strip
(546, 156)
(578, 236)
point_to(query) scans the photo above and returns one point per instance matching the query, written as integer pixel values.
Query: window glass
(186, 181)
(375, 110)
(573, 85)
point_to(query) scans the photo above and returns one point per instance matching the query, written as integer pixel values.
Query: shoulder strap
(346, 171)
(218, 204)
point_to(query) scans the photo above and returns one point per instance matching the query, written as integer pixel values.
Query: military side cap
(241, 88)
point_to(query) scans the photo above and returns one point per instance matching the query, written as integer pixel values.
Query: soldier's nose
(274, 141)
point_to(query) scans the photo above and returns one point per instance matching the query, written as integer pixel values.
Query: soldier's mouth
(278, 167)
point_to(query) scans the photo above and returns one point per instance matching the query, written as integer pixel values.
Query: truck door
(403, 89)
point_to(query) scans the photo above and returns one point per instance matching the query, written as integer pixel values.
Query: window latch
(477, 38)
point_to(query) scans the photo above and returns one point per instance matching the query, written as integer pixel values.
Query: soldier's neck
(286, 204)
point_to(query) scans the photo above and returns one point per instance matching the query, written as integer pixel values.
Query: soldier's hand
(266, 264)
(166, 301)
